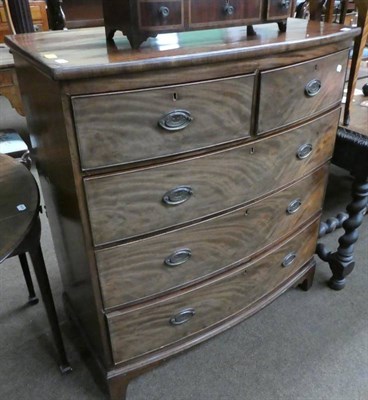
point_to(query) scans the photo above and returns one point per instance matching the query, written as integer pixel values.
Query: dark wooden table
(20, 231)
(19, 202)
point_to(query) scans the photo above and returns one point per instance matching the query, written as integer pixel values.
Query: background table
(20, 232)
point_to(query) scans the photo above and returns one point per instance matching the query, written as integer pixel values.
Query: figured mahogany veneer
(147, 328)
(291, 85)
(128, 204)
(137, 270)
(183, 184)
(220, 111)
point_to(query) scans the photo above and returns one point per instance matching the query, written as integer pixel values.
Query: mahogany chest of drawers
(184, 181)
(140, 19)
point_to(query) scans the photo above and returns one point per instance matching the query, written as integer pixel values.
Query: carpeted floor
(304, 346)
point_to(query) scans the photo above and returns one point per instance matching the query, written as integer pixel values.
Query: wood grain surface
(147, 328)
(121, 205)
(89, 56)
(292, 103)
(126, 205)
(127, 123)
(137, 270)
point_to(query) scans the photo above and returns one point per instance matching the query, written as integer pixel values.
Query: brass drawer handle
(178, 257)
(229, 9)
(304, 151)
(175, 120)
(177, 195)
(164, 11)
(313, 87)
(289, 259)
(182, 317)
(294, 206)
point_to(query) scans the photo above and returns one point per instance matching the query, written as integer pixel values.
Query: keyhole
(316, 67)
(175, 96)
(251, 151)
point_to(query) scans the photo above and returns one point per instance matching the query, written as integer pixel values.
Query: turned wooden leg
(32, 299)
(342, 261)
(118, 387)
(55, 14)
(48, 301)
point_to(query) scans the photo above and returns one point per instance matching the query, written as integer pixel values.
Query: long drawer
(149, 327)
(147, 124)
(155, 265)
(302, 90)
(128, 204)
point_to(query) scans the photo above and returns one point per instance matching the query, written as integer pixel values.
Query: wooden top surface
(84, 53)
(19, 200)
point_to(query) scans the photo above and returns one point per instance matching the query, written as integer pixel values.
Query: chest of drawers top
(84, 53)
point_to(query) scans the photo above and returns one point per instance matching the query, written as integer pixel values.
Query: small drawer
(148, 124)
(36, 12)
(152, 326)
(152, 266)
(278, 9)
(160, 15)
(128, 204)
(223, 12)
(302, 90)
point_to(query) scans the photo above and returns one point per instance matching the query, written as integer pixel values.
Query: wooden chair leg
(32, 299)
(44, 284)
(342, 262)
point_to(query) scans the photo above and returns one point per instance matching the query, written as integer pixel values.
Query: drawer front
(278, 9)
(148, 124)
(129, 204)
(153, 326)
(302, 90)
(160, 15)
(151, 266)
(207, 13)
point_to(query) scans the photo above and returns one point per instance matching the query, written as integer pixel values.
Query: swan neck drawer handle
(182, 317)
(177, 258)
(177, 195)
(175, 120)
